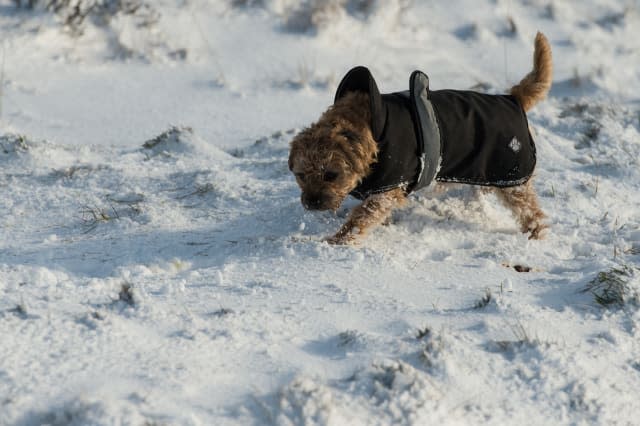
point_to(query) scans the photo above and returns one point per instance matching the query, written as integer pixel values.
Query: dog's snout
(313, 202)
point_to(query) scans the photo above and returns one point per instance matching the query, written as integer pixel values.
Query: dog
(380, 148)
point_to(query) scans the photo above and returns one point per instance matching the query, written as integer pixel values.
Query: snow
(156, 266)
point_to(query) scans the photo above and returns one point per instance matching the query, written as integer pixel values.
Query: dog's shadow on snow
(267, 232)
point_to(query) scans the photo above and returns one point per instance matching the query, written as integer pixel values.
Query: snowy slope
(153, 273)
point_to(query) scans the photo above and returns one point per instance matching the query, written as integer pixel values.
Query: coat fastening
(446, 135)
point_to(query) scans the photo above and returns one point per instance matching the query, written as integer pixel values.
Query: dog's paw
(537, 231)
(341, 240)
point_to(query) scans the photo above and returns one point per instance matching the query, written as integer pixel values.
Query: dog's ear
(297, 143)
(359, 79)
(290, 163)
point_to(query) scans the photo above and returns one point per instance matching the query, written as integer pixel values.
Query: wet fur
(332, 156)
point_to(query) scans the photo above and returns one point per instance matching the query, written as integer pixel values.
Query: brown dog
(379, 148)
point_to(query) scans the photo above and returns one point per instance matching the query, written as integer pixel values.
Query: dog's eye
(300, 176)
(329, 176)
(352, 136)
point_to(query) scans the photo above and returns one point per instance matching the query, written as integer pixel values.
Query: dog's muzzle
(316, 202)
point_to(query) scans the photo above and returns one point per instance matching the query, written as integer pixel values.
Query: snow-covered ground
(156, 266)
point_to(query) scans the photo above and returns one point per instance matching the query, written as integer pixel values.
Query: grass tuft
(171, 140)
(521, 340)
(223, 312)
(20, 310)
(119, 18)
(422, 333)
(433, 347)
(76, 170)
(75, 13)
(313, 15)
(200, 190)
(484, 301)
(512, 28)
(126, 294)
(612, 288)
(349, 339)
(13, 144)
(92, 216)
(172, 135)
(635, 249)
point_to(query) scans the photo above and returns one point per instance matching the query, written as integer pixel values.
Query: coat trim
(362, 195)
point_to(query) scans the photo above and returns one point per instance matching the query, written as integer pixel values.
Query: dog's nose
(312, 202)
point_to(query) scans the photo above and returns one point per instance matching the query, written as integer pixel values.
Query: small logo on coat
(515, 144)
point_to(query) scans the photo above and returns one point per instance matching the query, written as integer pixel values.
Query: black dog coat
(447, 135)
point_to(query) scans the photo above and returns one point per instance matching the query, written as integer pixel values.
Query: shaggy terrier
(381, 147)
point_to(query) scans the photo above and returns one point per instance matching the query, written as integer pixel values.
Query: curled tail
(535, 86)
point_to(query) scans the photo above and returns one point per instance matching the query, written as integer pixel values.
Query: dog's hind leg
(523, 202)
(372, 212)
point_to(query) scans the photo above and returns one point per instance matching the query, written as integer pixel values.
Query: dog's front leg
(373, 211)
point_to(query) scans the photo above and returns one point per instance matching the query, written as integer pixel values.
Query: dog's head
(331, 157)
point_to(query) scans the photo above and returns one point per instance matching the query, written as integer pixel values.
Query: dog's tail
(535, 86)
